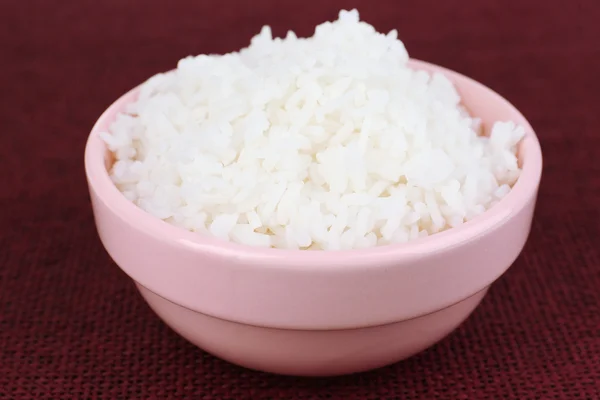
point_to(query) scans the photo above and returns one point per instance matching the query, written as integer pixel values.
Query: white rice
(329, 142)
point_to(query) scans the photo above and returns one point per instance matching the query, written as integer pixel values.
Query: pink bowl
(313, 312)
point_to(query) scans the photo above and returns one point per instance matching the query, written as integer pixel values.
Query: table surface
(73, 327)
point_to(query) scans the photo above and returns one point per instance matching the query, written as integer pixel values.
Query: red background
(72, 325)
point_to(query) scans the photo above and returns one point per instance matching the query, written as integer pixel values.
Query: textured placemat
(72, 325)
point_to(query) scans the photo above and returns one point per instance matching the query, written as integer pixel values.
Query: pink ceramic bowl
(314, 312)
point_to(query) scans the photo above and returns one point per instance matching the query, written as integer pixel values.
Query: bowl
(317, 313)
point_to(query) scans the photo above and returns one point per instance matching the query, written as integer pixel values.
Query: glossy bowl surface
(325, 312)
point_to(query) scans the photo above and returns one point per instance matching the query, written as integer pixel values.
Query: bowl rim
(329, 260)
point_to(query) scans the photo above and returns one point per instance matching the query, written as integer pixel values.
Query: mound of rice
(329, 142)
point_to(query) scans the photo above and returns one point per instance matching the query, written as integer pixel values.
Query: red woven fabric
(73, 327)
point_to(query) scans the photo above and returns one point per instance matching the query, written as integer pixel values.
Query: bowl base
(311, 352)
